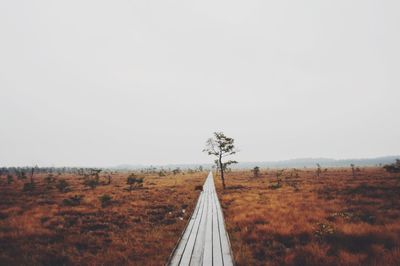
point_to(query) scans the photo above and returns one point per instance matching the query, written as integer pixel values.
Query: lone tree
(256, 171)
(221, 146)
(353, 171)
(318, 169)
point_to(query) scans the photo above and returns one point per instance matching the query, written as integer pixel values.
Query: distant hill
(293, 163)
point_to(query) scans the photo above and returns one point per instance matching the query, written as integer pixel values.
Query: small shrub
(134, 182)
(91, 182)
(63, 185)
(21, 175)
(10, 179)
(279, 174)
(49, 179)
(176, 171)
(393, 168)
(161, 173)
(105, 200)
(256, 171)
(28, 187)
(73, 201)
(275, 185)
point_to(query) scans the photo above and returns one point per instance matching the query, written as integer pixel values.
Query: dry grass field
(333, 219)
(138, 227)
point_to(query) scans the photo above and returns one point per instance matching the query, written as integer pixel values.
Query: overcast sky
(101, 83)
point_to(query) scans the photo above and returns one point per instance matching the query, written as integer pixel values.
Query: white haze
(102, 83)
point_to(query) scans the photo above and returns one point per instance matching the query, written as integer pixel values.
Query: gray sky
(102, 83)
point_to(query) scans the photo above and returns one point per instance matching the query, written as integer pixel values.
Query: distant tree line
(23, 171)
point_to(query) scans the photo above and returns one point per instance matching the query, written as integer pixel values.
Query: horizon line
(144, 165)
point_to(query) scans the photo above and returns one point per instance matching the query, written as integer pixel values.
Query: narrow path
(205, 240)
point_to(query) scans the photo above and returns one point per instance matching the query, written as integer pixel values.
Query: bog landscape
(199, 133)
(76, 216)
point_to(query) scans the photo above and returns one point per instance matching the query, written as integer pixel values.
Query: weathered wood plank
(205, 240)
(187, 254)
(208, 247)
(217, 251)
(198, 251)
(183, 241)
(225, 245)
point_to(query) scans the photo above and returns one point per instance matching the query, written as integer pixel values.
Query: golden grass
(331, 220)
(138, 227)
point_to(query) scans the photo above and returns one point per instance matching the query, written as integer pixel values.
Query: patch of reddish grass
(138, 227)
(331, 220)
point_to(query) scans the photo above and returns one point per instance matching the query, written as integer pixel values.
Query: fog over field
(103, 83)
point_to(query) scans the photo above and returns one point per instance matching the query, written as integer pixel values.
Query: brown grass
(138, 227)
(332, 220)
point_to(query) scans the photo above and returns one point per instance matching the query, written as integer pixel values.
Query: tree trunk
(222, 171)
(33, 169)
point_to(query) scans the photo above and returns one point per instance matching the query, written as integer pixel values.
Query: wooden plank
(177, 256)
(208, 247)
(217, 251)
(225, 245)
(205, 240)
(198, 250)
(187, 254)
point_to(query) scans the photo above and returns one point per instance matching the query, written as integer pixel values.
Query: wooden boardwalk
(205, 240)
